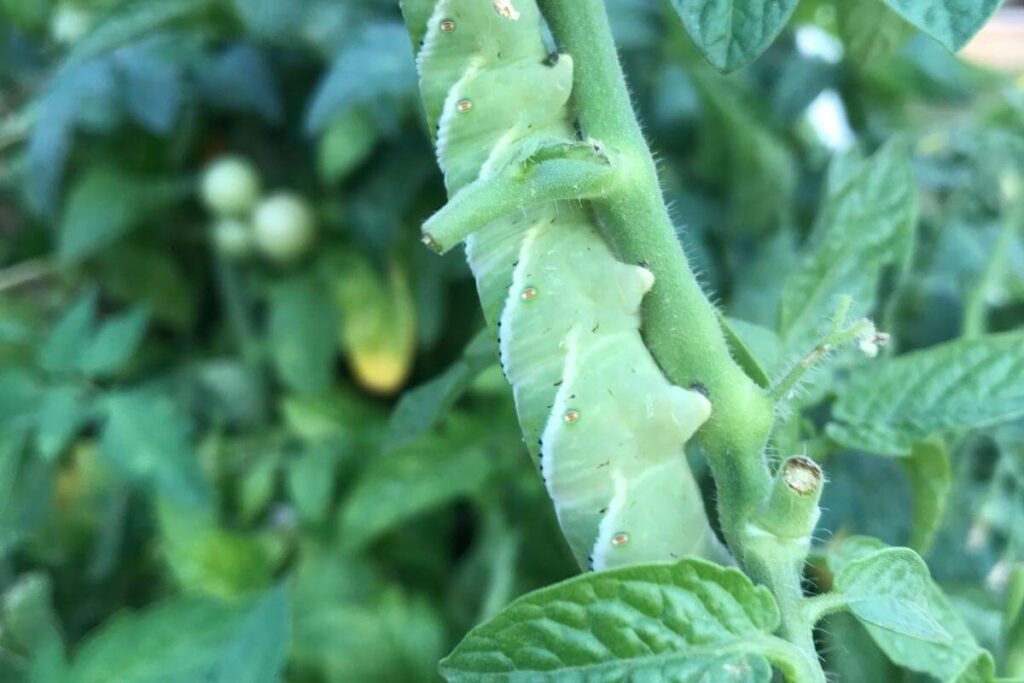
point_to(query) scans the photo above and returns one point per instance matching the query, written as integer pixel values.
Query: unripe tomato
(230, 186)
(69, 23)
(233, 238)
(284, 227)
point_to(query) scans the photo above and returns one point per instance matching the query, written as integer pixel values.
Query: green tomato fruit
(69, 23)
(284, 227)
(230, 186)
(233, 238)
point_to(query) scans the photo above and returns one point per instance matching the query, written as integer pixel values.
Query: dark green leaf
(866, 223)
(870, 30)
(931, 482)
(944, 660)
(691, 621)
(104, 205)
(885, 589)
(114, 343)
(951, 22)
(731, 33)
(421, 408)
(62, 350)
(26, 486)
(147, 440)
(413, 478)
(62, 412)
(310, 480)
(303, 333)
(965, 384)
(391, 638)
(185, 640)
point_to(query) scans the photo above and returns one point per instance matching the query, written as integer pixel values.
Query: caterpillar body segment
(603, 424)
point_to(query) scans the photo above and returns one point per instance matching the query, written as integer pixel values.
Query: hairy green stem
(779, 566)
(680, 325)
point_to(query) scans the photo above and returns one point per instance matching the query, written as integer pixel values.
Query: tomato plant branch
(680, 325)
(839, 335)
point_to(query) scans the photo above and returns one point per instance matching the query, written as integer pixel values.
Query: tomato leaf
(964, 384)
(732, 33)
(691, 621)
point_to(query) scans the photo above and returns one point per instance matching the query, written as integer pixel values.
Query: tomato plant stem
(680, 325)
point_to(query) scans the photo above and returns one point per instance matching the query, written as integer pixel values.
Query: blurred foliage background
(256, 436)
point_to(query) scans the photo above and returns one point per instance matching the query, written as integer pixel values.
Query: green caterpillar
(605, 426)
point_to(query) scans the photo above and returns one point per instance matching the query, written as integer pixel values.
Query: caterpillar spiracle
(606, 428)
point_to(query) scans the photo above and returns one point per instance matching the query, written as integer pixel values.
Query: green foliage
(189, 639)
(913, 606)
(731, 33)
(866, 222)
(611, 626)
(966, 384)
(224, 467)
(885, 590)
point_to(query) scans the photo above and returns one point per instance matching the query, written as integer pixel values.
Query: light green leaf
(28, 617)
(62, 350)
(931, 482)
(302, 333)
(26, 486)
(147, 440)
(208, 559)
(310, 481)
(184, 640)
(62, 412)
(114, 343)
(48, 665)
(691, 621)
(345, 144)
(257, 487)
(421, 408)
(411, 479)
(964, 384)
(870, 30)
(338, 415)
(885, 588)
(866, 223)
(944, 660)
(755, 348)
(389, 638)
(731, 33)
(104, 205)
(951, 22)
(1013, 620)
